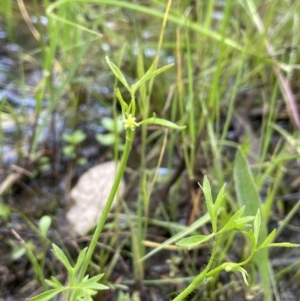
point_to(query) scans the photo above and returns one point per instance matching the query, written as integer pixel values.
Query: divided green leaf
(92, 283)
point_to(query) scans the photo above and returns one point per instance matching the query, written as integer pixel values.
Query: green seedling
(28, 248)
(44, 225)
(81, 289)
(43, 228)
(114, 128)
(17, 252)
(73, 140)
(44, 164)
(4, 212)
(126, 296)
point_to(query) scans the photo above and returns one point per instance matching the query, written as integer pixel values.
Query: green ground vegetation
(210, 83)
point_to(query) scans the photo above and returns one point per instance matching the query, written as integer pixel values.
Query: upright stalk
(197, 280)
(129, 137)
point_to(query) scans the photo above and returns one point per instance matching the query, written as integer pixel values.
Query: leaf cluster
(237, 222)
(80, 290)
(130, 109)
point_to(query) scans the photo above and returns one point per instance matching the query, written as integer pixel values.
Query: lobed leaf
(92, 283)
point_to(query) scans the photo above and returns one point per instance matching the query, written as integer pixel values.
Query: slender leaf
(268, 240)
(93, 279)
(59, 254)
(238, 214)
(92, 283)
(248, 196)
(44, 225)
(284, 244)
(231, 223)
(220, 199)
(244, 274)
(162, 69)
(123, 104)
(257, 225)
(79, 260)
(244, 185)
(252, 238)
(244, 220)
(193, 241)
(209, 202)
(162, 122)
(148, 75)
(98, 286)
(188, 230)
(47, 295)
(54, 282)
(118, 73)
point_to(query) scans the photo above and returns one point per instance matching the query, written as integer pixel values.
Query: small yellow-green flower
(129, 122)
(91, 292)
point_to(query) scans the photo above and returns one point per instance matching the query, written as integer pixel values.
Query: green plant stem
(197, 280)
(38, 271)
(129, 137)
(207, 274)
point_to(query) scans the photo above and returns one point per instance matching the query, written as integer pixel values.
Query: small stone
(89, 197)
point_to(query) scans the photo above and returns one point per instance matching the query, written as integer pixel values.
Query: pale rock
(89, 197)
